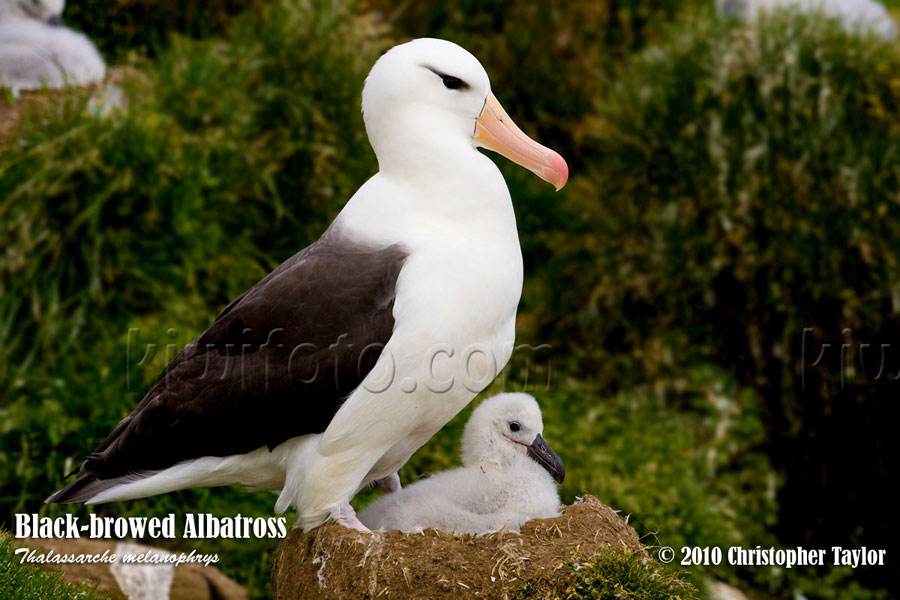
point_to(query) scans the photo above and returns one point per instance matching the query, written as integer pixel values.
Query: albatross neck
(423, 143)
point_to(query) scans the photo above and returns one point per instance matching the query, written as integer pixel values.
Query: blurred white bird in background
(506, 478)
(862, 16)
(36, 51)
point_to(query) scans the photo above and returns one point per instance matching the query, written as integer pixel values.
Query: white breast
(456, 300)
(454, 324)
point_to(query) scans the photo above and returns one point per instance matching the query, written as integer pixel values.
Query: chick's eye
(514, 427)
(454, 83)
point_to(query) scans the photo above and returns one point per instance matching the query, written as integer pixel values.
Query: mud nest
(335, 562)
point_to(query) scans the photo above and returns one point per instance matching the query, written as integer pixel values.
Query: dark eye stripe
(450, 82)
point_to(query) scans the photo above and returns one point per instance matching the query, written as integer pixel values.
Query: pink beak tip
(562, 171)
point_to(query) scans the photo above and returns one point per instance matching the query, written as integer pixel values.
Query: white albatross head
(428, 94)
(506, 429)
(45, 11)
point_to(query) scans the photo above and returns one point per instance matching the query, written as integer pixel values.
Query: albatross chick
(506, 478)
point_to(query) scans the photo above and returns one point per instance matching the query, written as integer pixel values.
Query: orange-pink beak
(495, 131)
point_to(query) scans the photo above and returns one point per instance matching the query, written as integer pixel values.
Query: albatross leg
(389, 484)
(346, 516)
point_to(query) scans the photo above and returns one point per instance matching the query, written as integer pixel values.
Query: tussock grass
(29, 582)
(613, 575)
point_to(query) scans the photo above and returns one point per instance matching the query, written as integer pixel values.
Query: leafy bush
(185, 183)
(120, 27)
(744, 188)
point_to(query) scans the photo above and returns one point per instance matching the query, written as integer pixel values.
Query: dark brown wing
(277, 362)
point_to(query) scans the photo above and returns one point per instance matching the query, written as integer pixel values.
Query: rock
(719, 590)
(335, 562)
(145, 582)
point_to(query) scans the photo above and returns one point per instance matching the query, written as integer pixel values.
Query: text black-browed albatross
(337, 366)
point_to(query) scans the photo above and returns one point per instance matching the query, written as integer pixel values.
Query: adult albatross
(333, 369)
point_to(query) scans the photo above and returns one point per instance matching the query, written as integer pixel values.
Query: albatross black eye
(450, 82)
(514, 427)
(454, 83)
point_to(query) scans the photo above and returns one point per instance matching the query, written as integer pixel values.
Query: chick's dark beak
(55, 21)
(544, 455)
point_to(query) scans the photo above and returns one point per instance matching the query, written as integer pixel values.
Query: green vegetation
(28, 582)
(732, 185)
(614, 575)
(121, 27)
(228, 159)
(772, 153)
(744, 191)
(662, 458)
